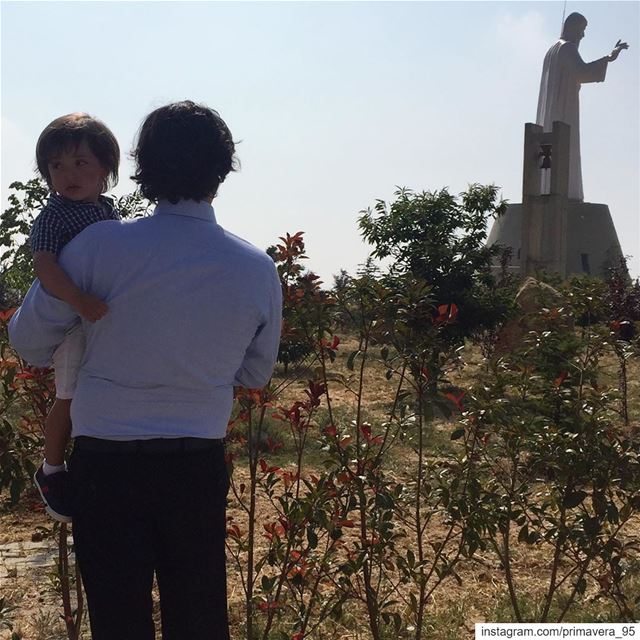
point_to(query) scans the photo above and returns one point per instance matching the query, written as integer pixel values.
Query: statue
(562, 74)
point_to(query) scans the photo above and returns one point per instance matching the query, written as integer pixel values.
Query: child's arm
(58, 284)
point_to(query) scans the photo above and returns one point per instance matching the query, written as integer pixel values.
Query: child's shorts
(66, 360)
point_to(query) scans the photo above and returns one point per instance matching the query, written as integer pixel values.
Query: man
(193, 311)
(563, 73)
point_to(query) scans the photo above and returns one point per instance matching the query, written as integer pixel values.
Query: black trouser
(140, 510)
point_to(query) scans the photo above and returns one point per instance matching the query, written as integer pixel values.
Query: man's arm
(42, 321)
(39, 325)
(58, 283)
(260, 358)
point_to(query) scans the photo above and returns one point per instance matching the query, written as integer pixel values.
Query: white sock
(48, 469)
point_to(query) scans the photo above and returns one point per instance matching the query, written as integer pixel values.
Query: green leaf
(599, 503)
(268, 583)
(457, 434)
(572, 500)
(592, 527)
(523, 536)
(352, 358)
(312, 538)
(625, 512)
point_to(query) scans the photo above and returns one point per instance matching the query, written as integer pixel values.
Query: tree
(15, 224)
(439, 239)
(25, 203)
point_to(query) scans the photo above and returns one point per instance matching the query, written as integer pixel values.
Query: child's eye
(54, 166)
(81, 163)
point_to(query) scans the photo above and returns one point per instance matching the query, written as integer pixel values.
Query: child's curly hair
(184, 150)
(67, 132)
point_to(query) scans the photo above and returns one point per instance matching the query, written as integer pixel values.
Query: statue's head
(574, 26)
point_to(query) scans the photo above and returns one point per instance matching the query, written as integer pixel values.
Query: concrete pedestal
(592, 241)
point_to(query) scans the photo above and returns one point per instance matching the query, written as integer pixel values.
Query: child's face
(77, 174)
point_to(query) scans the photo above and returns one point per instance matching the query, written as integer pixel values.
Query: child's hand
(90, 307)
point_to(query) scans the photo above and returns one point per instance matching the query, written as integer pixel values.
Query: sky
(334, 104)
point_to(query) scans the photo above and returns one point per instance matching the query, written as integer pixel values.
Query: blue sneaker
(54, 491)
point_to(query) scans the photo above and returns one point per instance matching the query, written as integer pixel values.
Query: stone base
(592, 241)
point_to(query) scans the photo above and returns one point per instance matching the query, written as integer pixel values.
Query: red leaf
(365, 429)
(447, 313)
(273, 446)
(456, 399)
(5, 316)
(330, 431)
(345, 523)
(561, 378)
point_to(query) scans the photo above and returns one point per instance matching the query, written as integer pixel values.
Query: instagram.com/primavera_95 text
(614, 631)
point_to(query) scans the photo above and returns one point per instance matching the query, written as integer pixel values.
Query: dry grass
(454, 609)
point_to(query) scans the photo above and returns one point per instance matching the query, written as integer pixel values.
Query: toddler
(78, 157)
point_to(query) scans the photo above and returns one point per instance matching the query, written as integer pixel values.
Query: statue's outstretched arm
(617, 49)
(582, 71)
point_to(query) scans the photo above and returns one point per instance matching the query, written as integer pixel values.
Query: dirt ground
(480, 596)
(32, 603)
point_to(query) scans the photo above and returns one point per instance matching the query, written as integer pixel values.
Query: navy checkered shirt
(61, 220)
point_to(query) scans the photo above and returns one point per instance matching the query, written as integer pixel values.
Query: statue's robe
(562, 74)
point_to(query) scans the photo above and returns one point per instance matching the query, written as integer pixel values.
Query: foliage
(26, 395)
(364, 518)
(554, 468)
(25, 202)
(305, 306)
(623, 302)
(15, 225)
(614, 301)
(441, 240)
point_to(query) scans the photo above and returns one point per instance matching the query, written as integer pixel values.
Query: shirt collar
(190, 208)
(56, 198)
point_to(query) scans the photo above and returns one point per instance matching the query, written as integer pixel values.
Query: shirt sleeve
(48, 233)
(42, 321)
(40, 325)
(261, 355)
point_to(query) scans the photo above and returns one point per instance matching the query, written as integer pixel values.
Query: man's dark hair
(67, 132)
(184, 150)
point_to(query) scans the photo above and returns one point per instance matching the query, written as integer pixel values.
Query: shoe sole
(54, 514)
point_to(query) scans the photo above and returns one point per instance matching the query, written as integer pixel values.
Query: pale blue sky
(334, 103)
